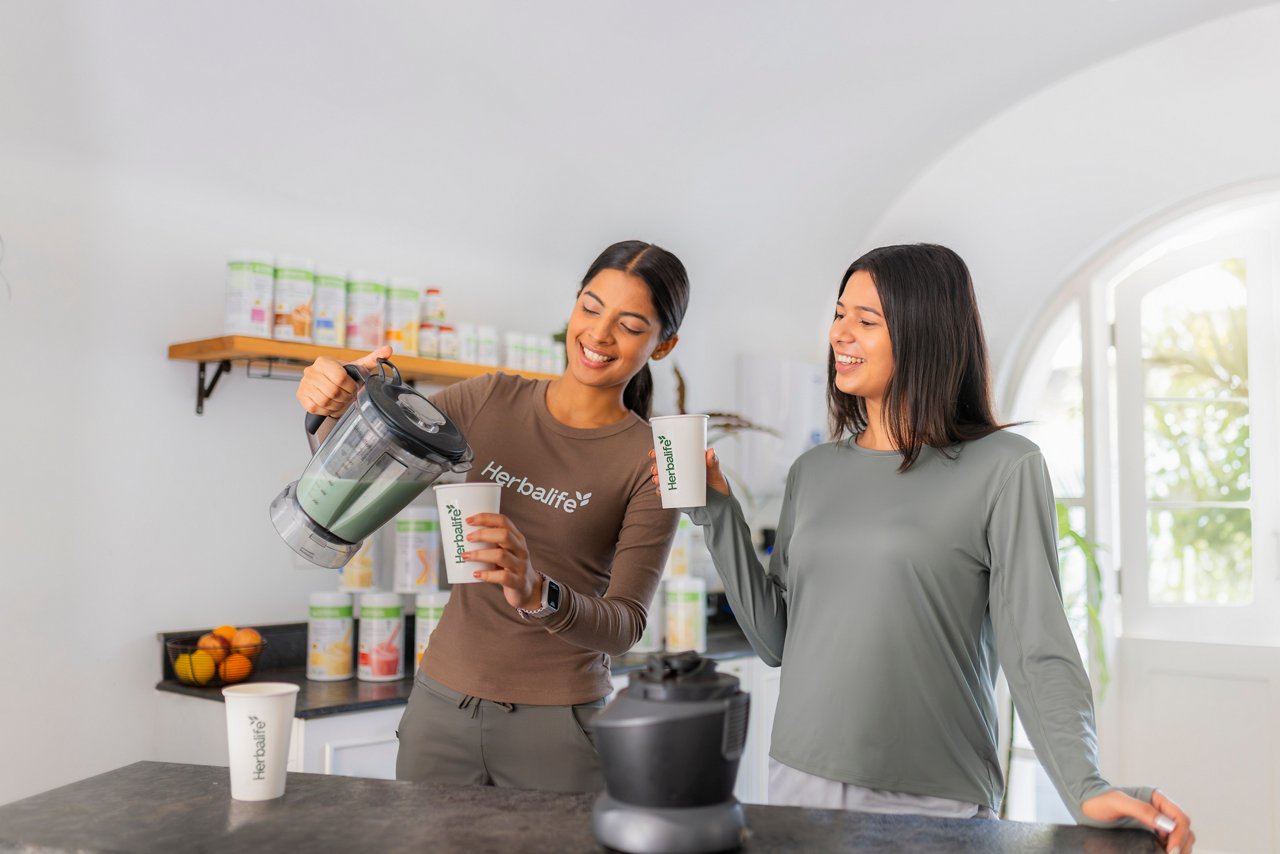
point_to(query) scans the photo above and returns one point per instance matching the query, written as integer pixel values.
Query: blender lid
(682, 677)
(420, 427)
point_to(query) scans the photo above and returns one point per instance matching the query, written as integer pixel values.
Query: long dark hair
(940, 391)
(668, 285)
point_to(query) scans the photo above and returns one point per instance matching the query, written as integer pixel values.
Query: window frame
(1252, 210)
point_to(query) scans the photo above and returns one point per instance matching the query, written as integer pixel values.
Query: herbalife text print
(670, 467)
(259, 729)
(549, 496)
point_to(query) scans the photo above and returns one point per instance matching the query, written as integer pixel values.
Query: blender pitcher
(389, 446)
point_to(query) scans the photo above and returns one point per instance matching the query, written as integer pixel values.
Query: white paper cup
(680, 446)
(259, 723)
(456, 502)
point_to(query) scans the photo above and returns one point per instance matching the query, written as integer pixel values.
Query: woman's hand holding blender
(326, 389)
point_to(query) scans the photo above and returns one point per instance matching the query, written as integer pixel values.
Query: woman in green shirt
(913, 553)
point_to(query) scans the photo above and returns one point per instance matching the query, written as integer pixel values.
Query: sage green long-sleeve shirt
(892, 596)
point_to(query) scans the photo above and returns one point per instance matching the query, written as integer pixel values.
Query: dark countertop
(162, 807)
(321, 699)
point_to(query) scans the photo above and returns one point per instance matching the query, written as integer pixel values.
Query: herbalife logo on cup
(557, 498)
(669, 459)
(258, 731)
(455, 525)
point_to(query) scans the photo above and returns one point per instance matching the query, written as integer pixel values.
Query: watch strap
(544, 609)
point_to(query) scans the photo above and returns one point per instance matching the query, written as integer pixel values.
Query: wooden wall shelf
(293, 356)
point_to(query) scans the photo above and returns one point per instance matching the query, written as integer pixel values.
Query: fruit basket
(215, 658)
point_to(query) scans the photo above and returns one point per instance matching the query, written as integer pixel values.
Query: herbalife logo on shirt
(557, 498)
(459, 540)
(669, 463)
(258, 732)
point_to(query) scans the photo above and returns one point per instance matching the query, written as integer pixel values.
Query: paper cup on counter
(259, 724)
(457, 502)
(680, 446)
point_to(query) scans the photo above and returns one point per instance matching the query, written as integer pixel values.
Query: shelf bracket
(204, 392)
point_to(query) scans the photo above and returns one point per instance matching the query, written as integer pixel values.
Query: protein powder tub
(250, 309)
(429, 606)
(329, 657)
(366, 311)
(329, 325)
(381, 638)
(403, 317)
(295, 293)
(417, 530)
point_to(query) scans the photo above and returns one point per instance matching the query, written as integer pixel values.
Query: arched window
(1152, 384)
(1145, 385)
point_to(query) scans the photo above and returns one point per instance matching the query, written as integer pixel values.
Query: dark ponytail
(638, 395)
(668, 285)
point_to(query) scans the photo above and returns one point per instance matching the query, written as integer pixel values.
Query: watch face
(553, 595)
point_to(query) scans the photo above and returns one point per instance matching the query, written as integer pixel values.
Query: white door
(1196, 453)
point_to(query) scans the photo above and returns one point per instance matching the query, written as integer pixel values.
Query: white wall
(124, 512)
(122, 187)
(1036, 192)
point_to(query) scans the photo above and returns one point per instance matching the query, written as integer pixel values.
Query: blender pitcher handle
(314, 421)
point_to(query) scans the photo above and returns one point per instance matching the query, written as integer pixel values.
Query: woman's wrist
(534, 600)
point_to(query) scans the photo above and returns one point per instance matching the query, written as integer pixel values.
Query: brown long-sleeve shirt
(583, 500)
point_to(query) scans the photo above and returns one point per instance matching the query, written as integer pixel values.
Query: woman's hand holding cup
(509, 553)
(715, 478)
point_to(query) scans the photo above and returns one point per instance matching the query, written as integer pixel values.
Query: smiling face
(613, 330)
(860, 340)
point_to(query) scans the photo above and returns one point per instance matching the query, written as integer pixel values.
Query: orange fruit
(248, 642)
(215, 645)
(228, 632)
(202, 667)
(235, 668)
(182, 668)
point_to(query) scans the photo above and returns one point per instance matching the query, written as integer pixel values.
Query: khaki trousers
(448, 737)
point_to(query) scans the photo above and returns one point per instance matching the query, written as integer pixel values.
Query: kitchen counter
(162, 807)
(320, 699)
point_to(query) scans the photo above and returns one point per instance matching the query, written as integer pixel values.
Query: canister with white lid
(468, 343)
(294, 298)
(428, 608)
(654, 627)
(250, 306)
(448, 343)
(428, 340)
(329, 324)
(513, 351)
(486, 345)
(381, 638)
(433, 306)
(329, 629)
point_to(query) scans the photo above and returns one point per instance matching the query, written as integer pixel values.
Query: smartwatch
(550, 601)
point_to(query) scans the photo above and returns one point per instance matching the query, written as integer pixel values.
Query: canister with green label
(381, 638)
(417, 560)
(329, 641)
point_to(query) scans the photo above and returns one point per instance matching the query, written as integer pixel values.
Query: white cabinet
(355, 744)
(761, 682)
(364, 744)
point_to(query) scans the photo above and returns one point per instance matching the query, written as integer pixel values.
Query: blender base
(304, 536)
(674, 830)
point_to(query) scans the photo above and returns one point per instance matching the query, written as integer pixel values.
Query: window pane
(1052, 403)
(1074, 570)
(1197, 451)
(1194, 335)
(1201, 556)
